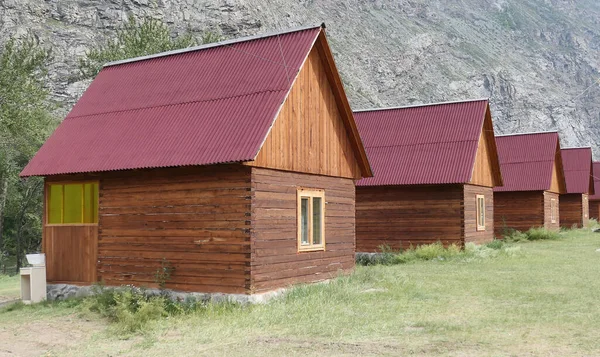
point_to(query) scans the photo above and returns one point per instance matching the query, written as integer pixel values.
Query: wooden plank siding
(557, 185)
(486, 170)
(574, 210)
(71, 253)
(523, 210)
(594, 209)
(309, 134)
(276, 261)
(71, 249)
(471, 234)
(401, 216)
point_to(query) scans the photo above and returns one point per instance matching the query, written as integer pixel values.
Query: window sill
(311, 249)
(70, 224)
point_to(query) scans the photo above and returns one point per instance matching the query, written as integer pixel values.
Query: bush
(437, 252)
(532, 234)
(541, 234)
(131, 308)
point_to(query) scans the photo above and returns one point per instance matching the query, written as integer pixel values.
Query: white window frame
(480, 213)
(310, 194)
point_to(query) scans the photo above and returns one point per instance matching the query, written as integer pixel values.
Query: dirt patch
(39, 338)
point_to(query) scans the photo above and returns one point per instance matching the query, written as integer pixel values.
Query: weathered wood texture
(486, 170)
(557, 184)
(309, 134)
(71, 253)
(524, 210)
(471, 234)
(518, 210)
(550, 224)
(401, 216)
(195, 220)
(594, 209)
(71, 250)
(574, 210)
(276, 261)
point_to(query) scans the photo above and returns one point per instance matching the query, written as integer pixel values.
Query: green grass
(540, 302)
(9, 287)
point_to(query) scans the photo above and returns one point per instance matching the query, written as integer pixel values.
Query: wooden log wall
(401, 216)
(548, 223)
(594, 209)
(518, 210)
(574, 210)
(276, 261)
(195, 220)
(470, 214)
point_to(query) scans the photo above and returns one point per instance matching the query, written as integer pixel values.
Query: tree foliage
(135, 39)
(25, 121)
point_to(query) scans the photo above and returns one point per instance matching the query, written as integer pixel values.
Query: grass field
(541, 301)
(9, 288)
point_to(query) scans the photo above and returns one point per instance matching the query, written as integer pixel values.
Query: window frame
(63, 183)
(479, 211)
(552, 209)
(310, 194)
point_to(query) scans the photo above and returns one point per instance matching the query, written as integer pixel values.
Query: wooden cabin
(533, 180)
(435, 166)
(594, 199)
(574, 205)
(231, 164)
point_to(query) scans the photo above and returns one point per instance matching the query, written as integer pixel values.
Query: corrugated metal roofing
(596, 170)
(427, 144)
(526, 161)
(577, 165)
(200, 107)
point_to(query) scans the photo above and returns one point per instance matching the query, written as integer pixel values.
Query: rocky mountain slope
(538, 60)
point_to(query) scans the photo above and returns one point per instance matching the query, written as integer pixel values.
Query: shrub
(533, 234)
(513, 235)
(131, 308)
(437, 251)
(496, 244)
(541, 234)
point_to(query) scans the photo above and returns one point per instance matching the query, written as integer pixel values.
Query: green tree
(25, 121)
(135, 39)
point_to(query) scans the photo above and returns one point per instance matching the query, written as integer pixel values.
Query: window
(552, 210)
(311, 220)
(72, 203)
(480, 212)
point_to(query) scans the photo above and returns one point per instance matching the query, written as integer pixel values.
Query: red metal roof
(596, 173)
(427, 144)
(211, 104)
(527, 161)
(577, 165)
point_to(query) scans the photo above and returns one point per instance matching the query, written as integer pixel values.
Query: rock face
(538, 60)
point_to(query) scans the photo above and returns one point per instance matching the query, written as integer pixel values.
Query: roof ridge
(529, 133)
(524, 162)
(212, 45)
(576, 147)
(421, 105)
(173, 104)
(417, 144)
